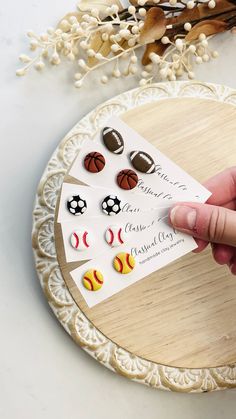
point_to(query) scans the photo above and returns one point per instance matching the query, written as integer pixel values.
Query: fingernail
(183, 217)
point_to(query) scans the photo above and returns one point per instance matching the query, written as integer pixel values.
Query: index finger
(222, 186)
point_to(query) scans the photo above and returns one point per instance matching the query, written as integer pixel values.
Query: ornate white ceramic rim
(68, 313)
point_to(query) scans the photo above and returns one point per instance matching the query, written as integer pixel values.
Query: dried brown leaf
(106, 48)
(103, 47)
(187, 15)
(154, 26)
(221, 6)
(86, 5)
(208, 27)
(201, 11)
(124, 44)
(98, 45)
(135, 2)
(157, 47)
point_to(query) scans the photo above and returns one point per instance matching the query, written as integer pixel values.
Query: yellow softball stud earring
(124, 263)
(93, 280)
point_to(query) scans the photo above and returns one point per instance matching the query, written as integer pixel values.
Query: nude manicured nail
(183, 217)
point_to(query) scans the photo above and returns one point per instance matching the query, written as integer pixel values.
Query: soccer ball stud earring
(111, 205)
(76, 205)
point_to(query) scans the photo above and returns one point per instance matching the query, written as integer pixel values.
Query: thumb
(207, 222)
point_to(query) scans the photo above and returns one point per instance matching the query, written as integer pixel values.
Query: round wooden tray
(175, 329)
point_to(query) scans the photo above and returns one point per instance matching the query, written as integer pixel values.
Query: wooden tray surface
(182, 316)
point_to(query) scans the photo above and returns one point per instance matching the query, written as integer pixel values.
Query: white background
(43, 374)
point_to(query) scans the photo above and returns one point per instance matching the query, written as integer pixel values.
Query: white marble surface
(43, 374)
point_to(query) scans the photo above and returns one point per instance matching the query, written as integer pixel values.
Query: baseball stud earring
(115, 235)
(81, 239)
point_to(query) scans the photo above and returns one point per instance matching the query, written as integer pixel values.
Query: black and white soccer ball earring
(111, 205)
(76, 205)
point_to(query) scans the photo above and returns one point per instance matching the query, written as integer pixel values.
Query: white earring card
(100, 220)
(169, 182)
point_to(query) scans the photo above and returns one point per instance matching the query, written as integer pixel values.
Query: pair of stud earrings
(81, 239)
(126, 179)
(123, 263)
(111, 205)
(140, 160)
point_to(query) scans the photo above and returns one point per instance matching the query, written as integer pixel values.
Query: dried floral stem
(110, 60)
(227, 17)
(173, 33)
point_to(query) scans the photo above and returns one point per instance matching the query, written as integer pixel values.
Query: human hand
(213, 222)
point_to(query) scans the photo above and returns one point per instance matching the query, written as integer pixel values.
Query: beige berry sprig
(174, 36)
